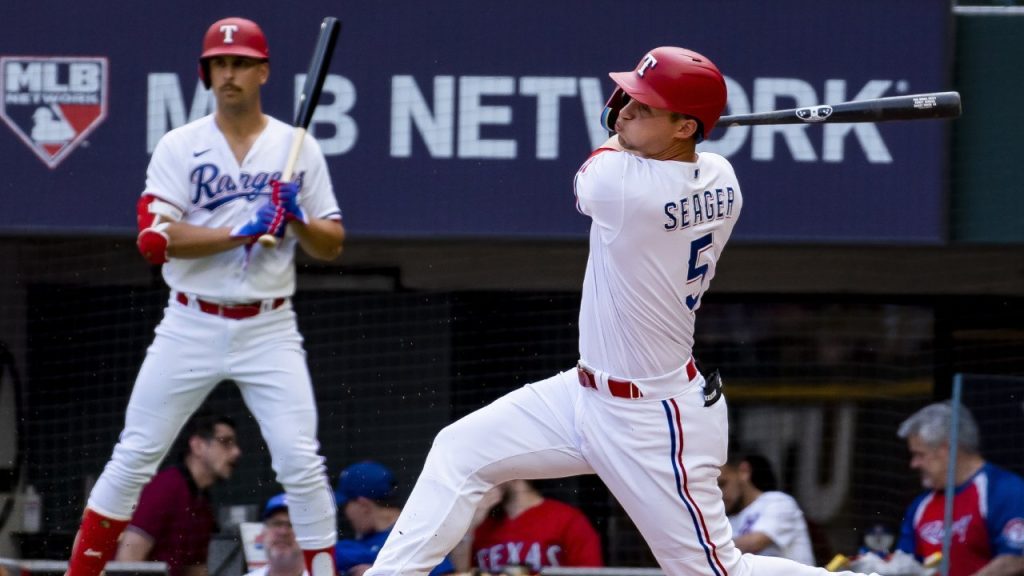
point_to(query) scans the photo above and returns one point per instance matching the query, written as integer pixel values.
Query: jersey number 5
(696, 273)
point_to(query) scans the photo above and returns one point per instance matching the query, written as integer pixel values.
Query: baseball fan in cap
(284, 557)
(635, 410)
(210, 193)
(275, 504)
(366, 495)
(367, 479)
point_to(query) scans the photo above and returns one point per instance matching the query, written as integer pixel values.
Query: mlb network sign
(52, 103)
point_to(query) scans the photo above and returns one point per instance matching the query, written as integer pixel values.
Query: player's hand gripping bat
(308, 99)
(910, 107)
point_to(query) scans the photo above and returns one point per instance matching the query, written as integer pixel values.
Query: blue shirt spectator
(366, 495)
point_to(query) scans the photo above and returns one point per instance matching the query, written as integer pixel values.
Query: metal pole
(954, 433)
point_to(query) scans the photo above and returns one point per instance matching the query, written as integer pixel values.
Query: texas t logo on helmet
(649, 61)
(229, 32)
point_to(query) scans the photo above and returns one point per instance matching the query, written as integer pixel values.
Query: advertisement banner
(461, 118)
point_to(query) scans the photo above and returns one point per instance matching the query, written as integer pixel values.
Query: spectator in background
(764, 521)
(284, 557)
(174, 519)
(515, 525)
(366, 495)
(988, 505)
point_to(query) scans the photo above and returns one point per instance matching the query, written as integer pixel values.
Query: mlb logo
(52, 103)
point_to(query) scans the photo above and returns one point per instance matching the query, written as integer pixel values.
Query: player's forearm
(188, 241)
(321, 239)
(1003, 565)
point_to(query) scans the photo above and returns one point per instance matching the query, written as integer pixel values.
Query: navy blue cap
(367, 479)
(279, 502)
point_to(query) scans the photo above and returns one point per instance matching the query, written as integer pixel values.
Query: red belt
(232, 311)
(623, 388)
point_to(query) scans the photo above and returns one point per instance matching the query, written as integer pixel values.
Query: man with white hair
(988, 506)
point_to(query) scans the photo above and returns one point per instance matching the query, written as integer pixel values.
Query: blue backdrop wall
(460, 118)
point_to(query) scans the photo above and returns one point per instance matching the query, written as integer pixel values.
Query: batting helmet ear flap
(616, 102)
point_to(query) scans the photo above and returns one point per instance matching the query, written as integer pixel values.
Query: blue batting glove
(269, 219)
(286, 195)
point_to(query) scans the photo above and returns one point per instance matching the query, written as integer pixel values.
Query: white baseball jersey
(778, 516)
(194, 169)
(657, 234)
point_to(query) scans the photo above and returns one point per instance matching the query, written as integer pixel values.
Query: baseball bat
(308, 99)
(909, 107)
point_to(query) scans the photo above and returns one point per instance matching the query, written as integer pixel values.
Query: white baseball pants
(659, 455)
(192, 352)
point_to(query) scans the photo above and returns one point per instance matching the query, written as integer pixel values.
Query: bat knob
(267, 241)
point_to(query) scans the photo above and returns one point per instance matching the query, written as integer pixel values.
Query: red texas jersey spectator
(529, 530)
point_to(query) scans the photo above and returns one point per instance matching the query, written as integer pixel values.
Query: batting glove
(269, 219)
(286, 195)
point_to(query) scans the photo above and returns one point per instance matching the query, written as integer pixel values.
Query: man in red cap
(211, 190)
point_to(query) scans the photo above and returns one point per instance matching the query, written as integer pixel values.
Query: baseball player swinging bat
(910, 107)
(308, 99)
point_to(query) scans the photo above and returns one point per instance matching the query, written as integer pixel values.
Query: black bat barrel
(909, 107)
(329, 30)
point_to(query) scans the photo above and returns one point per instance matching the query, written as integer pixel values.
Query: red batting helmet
(235, 37)
(679, 80)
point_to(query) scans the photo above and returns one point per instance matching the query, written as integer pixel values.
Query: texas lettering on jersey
(551, 533)
(212, 188)
(533, 554)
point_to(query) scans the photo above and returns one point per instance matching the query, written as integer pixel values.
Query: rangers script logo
(52, 103)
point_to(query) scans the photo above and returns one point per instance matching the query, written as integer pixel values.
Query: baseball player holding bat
(635, 410)
(211, 190)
